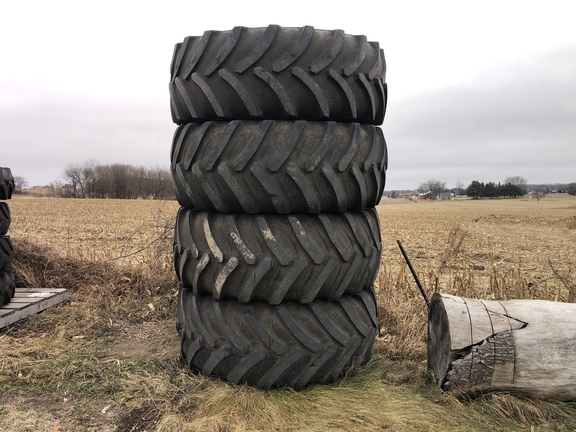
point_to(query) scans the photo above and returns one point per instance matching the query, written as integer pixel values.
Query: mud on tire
(278, 73)
(278, 166)
(267, 346)
(277, 257)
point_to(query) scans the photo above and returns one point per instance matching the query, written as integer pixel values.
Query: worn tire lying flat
(278, 73)
(6, 253)
(7, 287)
(276, 257)
(278, 166)
(6, 183)
(268, 346)
(4, 218)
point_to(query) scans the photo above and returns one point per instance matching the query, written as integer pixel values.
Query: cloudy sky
(477, 90)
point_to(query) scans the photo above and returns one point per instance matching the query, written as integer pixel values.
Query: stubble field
(108, 359)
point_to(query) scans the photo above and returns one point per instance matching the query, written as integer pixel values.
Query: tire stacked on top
(6, 249)
(277, 166)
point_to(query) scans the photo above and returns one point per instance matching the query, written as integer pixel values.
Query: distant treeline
(121, 181)
(478, 190)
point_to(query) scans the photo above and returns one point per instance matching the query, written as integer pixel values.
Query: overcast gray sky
(477, 90)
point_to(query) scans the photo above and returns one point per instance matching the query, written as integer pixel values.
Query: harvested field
(97, 230)
(108, 359)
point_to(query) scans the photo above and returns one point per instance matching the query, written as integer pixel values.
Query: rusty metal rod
(414, 274)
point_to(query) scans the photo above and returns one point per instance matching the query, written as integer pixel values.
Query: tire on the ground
(278, 166)
(6, 252)
(6, 183)
(7, 287)
(268, 346)
(4, 218)
(277, 258)
(278, 73)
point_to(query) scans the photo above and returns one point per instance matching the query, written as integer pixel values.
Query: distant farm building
(430, 196)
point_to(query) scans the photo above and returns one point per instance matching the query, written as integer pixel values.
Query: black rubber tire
(4, 218)
(6, 183)
(7, 287)
(276, 166)
(277, 258)
(6, 253)
(278, 73)
(269, 346)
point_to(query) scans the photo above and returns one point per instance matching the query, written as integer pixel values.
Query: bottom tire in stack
(7, 287)
(289, 344)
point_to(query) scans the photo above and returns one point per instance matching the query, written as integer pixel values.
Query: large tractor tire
(277, 258)
(6, 183)
(4, 218)
(278, 73)
(278, 166)
(268, 346)
(7, 287)
(6, 253)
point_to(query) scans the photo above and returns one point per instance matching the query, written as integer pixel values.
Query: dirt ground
(62, 411)
(149, 340)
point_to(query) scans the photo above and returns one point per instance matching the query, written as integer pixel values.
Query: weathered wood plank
(19, 300)
(29, 301)
(40, 290)
(4, 312)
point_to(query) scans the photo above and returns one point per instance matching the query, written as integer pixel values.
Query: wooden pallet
(29, 301)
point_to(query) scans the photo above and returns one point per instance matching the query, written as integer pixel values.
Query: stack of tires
(277, 166)
(6, 249)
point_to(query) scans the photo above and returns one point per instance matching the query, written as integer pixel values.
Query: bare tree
(73, 175)
(56, 189)
(88, 174)
(160, 183)
(20, 183)
(459, 186)
(521, 182)
(123, 181)
(435, 187)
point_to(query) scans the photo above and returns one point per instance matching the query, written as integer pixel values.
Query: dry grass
(69, 368)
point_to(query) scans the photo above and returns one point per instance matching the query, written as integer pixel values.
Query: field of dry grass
(108, 359)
